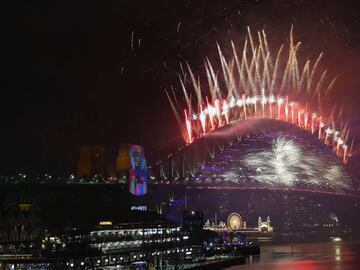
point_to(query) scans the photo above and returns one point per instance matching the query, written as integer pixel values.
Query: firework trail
(132, 41)
(256, 84)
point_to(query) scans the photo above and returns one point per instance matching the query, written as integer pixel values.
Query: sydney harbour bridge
(257, 154)
(262, 121)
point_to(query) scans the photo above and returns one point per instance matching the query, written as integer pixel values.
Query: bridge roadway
(241, 187)
(121, 187)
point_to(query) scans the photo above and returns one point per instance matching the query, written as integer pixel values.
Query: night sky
(71, 77)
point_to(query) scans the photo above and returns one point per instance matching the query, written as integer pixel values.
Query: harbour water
(339, 255)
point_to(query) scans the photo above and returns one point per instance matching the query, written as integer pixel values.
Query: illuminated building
(264, 226)
(131, 165)
(120, 237)
(125, 244)
(138, 174)
(235, 223)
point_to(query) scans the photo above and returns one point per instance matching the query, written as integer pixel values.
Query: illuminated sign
(105, 223)
(138, 171)
(139, 208)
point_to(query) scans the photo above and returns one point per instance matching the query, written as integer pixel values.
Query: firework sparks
(255, 81)
(286, 164)
(132, 41)
(178, 27)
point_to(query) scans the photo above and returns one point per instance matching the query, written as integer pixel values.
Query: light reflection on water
(307, 256)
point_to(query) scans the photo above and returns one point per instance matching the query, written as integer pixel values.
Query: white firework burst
(287, 163)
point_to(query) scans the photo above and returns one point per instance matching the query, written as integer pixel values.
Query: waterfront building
(235, 223)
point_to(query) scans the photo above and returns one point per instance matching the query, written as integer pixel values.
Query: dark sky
(70, 76)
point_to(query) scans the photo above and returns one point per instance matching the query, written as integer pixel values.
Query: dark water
(307, 256)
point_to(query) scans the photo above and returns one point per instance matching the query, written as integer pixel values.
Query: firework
(288, 164)
(276, 158)
(254, 85)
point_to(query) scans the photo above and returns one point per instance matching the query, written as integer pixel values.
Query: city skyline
(167, 135)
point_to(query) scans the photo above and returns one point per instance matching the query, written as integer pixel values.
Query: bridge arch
(195, 163)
